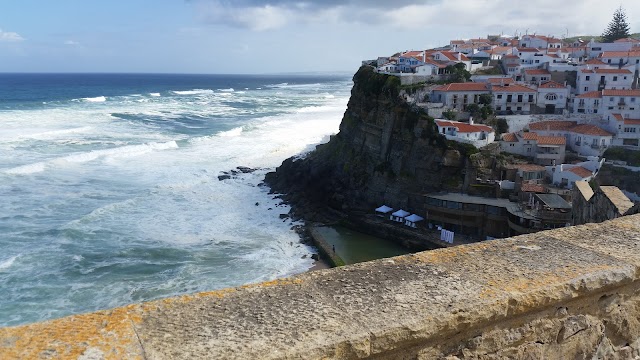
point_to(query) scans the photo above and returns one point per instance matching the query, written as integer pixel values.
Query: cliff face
(386, 152)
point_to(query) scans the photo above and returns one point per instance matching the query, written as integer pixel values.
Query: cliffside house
(584, 139)
(459, 95)
(552, 97)
(470, 133)
(545, 150)
(600, 79)
(513, 98)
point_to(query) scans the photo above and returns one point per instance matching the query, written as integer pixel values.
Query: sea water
(109, 189)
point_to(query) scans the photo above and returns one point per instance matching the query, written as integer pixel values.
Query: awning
(384, 209)
(400, 213)
(414, 218)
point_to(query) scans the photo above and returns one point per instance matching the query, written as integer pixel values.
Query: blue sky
(256, 36)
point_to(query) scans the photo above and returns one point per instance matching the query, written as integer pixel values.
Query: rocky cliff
(386, 152)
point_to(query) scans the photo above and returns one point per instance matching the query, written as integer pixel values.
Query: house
(452, 57)
(585, 139)
(605, 203)
(459, 95)
(623, 102)
(566, 175)
(470, 133)
(595, 49)
(627, 131)
(513, 98)
(598, 79)
(545, 150)
(621, 58)
(552, 97)
(540, 42)
(388, 68)
(588, 103)
(536, 76)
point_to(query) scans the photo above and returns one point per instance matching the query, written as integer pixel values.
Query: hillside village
(554, 106)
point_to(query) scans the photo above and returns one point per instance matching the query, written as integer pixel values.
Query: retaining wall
(566, 293)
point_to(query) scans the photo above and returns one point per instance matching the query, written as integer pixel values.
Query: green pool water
(354, 247)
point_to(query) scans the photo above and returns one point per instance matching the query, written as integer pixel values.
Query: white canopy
(400, 213)
(414, 218)
(384, 209)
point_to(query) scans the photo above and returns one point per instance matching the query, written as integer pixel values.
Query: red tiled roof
(537, 72)
(528, 50)
(594, 62)
(627, 121)
(628, 92)
(580, 171)
(529, 136)
(628, 39)
(552, 125)
(532, 187)
(588, 129)
(551, 85)
(620, 54)
(606, 71)
(511, 57)
(509, 137)
(552, 140)
(590, 95)
(468, 86)
(618, 117)
(512, 88)
(464, 127)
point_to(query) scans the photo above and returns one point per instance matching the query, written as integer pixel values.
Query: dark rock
(315, 257)
(224, 177)
(284, 216)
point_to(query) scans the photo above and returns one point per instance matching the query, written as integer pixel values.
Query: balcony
(622, 103)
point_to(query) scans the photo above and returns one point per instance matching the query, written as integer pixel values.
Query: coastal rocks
(386, 152)
(233, 174)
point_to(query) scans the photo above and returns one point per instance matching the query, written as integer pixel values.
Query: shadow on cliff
(387, 152)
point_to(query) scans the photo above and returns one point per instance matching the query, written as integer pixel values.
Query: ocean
(109, 188)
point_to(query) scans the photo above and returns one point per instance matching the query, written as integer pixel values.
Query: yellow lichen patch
(107, 332)
(276, 282)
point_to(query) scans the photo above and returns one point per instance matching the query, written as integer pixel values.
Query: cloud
(482, 15)
(6, 36)
(71, 43)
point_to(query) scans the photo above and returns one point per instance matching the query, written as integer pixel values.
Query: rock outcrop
(387, 151)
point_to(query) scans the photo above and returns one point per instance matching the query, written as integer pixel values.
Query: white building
(540, 42)
(536, 76)
(621, 58)
(459, 95)
(552, 97)
(584, 139)
(567, 175)
(545, 150)
(595, 49)
(470, 133)
(627, 131)
(513, 98)
(598, 79)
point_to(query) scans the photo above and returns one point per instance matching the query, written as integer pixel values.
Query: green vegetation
(449, 114)
(502, 126)
(458, 72)
(374, 84)
(617, 153)
(413, 87)
(496, 70)
(618, 28)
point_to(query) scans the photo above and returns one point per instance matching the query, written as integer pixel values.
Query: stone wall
(567, 293)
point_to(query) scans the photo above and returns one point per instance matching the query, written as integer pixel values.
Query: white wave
(7, 263)
(113, 153)
(154, 94)
(227, 90)
(194, 92)
(230, 133)
(55, 133)
(95, 99)
(241, 92)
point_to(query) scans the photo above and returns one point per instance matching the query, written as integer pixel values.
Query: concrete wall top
(356, 311)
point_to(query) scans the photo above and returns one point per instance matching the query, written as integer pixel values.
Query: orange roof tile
(532, 187)
(606, 71)
(529, 135)
(581, 171)
(528, 50)
(588, 129)
(632, 121)
(509, 137)
(552, 140)
(464, 127)
(620, 54)
(552, 125)
(631, 40)
(469, 86)
(498, 81)
(628, 92)
(618, 117)
(594, 62)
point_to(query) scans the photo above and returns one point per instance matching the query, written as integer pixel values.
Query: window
(499, 96)
(596, 102)
(528, 149)
(586, 88)
(537, 61)
(553, 96)
(509, 97)
(610, 108)
(587, 78)
(629, 130)
(633, 99)
(615, 78)
(611, 99)
(508, 108)
(519, 98)
(519, 108)
(530, 98)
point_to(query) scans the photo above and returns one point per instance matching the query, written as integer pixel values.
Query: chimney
(470, 120)
(459, 56)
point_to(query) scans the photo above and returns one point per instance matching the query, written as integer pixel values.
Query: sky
(267, 36)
